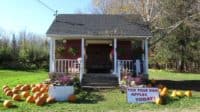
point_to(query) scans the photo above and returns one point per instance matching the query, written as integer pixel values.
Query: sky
(30, 15)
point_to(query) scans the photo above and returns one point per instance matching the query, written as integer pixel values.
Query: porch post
(115, 56)
(146, 56)
(52, 55)
(82, 58)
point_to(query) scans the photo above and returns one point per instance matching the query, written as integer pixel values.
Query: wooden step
(99, 80)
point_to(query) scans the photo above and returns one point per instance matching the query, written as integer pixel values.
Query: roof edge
(76, 36)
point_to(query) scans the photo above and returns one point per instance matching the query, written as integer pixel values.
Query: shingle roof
(90, 24)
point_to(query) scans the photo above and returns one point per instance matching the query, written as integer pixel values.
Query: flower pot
(61, 93)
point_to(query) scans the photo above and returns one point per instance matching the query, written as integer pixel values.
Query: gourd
(37, 94)
(158, 101)
(16, 97)
(15, 91)
(39, 101)
(179, 93)
(9, 93)
(188, 93)
(173, 93)
(7, 103)
(4, 87)
(72, 98)
(50, 99)
(35, 89)
(164, 92)
(25, 94)
(30, 99)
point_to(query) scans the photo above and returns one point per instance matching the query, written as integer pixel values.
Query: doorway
(98, 59)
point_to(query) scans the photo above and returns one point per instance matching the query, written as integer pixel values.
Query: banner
(142, 95)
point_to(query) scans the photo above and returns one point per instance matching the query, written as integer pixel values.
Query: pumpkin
(4, 87)
(16, 97)
(45, 95)
(25, 88)
(9, 93)
(39, 101)
(72, 98)
(50, 99)
(43, 90)
(37, 94)
(188, 93)
(18, 86)
(179, 93)
(165, 89)
(35, 89)
(30, 99)
(158, 101)
(16, 91)
(32, 85)
(25, 94)
(173, 93)
(163, 93)
(7, 103)
(39, 85)
(159, 90)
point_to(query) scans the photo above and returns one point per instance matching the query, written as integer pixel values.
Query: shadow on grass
(182, 85)
(89, 96)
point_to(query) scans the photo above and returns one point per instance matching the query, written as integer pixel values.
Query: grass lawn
(103, 100)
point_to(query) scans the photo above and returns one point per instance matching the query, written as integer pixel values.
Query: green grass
(103, 100)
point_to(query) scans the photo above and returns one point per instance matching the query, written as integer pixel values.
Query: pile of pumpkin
(34, 93)
(164, 93)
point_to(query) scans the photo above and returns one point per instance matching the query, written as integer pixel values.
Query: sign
(142, 95)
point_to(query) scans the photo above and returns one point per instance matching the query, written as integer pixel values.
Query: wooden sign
(142, 95)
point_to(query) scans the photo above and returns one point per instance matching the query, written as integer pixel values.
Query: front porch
(100, 56)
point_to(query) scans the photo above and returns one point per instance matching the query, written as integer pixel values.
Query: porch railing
(128, 66)
(67, 66)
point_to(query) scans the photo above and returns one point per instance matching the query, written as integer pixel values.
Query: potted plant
(62, 87)
(73, 51)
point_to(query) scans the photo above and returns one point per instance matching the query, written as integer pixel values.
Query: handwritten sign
(142, 95)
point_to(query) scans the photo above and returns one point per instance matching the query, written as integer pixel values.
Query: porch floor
(99, 80)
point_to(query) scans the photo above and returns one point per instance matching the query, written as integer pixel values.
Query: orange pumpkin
(35, 89)
(9, 93)
(7, 103)
(72, 98)
(18, 86)
(39, 85)
(50, 99)
(45, 95)
(32, 85)
(37, 94)
(39, 101)
(16, 97)
(16, 91)
(4, 87)
(25, 88)
(30, 99)
(25, 94)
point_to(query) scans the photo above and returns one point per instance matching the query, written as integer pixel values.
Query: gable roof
(98, 25)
